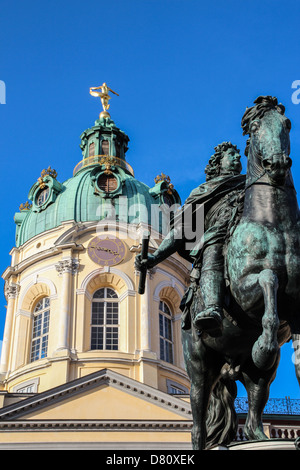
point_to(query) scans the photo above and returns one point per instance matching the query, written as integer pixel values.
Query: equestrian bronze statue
(243, 301)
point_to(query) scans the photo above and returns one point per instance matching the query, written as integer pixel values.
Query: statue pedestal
(271, 444)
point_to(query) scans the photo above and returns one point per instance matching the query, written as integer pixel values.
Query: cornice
(96, 425)
(33, 366)
(89, 382)
(42, 255)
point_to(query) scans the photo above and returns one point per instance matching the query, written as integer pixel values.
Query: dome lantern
(104, 143)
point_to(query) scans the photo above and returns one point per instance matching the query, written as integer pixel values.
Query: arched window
(107, 183)
(92, 149)
(42, 196)
(167, 199)
(40, 330)
(105, 147)
(118, 149)
(165, 332)
(105, 319)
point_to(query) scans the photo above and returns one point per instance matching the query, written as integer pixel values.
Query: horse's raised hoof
(210, 320)
(264, 357)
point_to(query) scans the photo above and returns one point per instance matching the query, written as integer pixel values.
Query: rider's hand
(142, 264)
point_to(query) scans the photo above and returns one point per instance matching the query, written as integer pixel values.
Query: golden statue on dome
(104, 96)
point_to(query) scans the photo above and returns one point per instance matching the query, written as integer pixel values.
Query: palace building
(87, 362)
(83, 353)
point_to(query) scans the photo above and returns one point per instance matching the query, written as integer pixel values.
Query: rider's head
(225, 160)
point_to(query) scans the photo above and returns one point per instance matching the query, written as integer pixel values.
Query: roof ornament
(25, 206)
(104, 96)
(49, 171)
(162, 177)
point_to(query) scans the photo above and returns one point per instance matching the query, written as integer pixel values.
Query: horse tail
(222, 422)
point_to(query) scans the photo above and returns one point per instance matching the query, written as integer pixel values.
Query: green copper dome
(103, 186)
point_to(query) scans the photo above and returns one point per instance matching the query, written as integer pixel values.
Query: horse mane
(262, 105)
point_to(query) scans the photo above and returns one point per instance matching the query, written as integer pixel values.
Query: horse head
(269, 141)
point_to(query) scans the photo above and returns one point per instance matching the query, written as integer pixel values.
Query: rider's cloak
(216, 200)
(216, 204)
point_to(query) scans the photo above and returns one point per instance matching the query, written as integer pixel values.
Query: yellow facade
(56, 265)
(104, 410)
(35, 273)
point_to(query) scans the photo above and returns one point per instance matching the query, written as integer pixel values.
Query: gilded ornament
(25, 206)
(49, 171)
(162, 177)
(104, 96)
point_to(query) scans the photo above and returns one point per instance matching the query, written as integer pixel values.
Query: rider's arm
(171, 243)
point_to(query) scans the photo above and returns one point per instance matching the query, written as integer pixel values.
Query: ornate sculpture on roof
(162, 177)
(26, 206)
(49, 171)
(104, 96)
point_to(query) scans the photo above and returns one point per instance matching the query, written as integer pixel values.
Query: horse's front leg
(265, 349)
(199, 403)
(257, 384)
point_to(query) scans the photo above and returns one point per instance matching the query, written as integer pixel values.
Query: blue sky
(185, 71)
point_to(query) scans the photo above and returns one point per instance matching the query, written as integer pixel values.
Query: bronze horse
(262, 305)
(262, 310)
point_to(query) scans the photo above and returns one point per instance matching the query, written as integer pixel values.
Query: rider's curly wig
(262, 105)
(214, 164)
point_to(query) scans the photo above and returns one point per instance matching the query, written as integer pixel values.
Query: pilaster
(11, 292)
(66, 269)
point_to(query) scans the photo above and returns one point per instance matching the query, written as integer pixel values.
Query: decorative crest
(165, 178)
(162, 177)
(45, 172)
(104, 96)
(108, 161)
(25, 206)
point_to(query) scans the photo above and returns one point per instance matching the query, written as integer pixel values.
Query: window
(42, 196)
(30, 386)
(165, 332)
(105, 147)
(167, 199)
(107, 183)
(118, 149)
(175, 388)
(41, 316)
(28, 389)
(92, 149)
(105, 320)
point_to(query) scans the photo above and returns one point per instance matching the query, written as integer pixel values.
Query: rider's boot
(212, 287)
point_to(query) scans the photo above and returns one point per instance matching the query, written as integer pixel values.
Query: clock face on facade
(106, 250)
